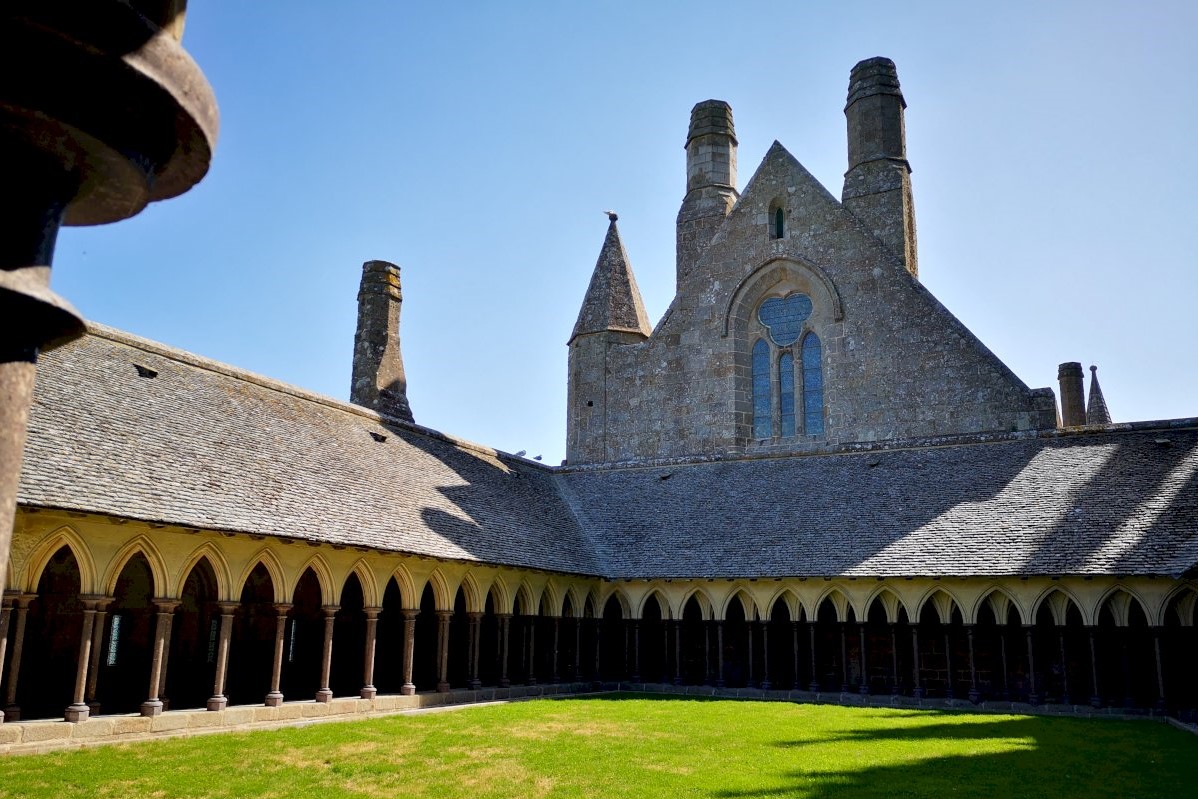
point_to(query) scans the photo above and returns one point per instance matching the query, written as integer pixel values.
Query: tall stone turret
(378, 378)
(612, 316)
(710, 180)
(1073, 395)
(877, 186)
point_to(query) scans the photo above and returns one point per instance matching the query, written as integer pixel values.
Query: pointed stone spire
(613, 302)
(1096, 410)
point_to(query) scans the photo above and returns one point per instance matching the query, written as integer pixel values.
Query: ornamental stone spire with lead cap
(1096, 411)
(613, 301)
(378, 379)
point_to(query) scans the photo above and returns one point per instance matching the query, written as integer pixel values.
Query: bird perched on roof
(611, 215)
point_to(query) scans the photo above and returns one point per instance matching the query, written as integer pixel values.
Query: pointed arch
(270, 562)
(1120, 598)
(1181, 600)
(476, 600)
(524, 597)
(840, 602)
(621, 598)
(752, 289)
(788, 597)
(329, 595)
(551, 599)
(891, 604)
(366, 578)
(1000, 601)
(45, 549)
(576, 601)
(143, 545)
(442, 597)
(703, 598)
(662, 602)
(407, 586)
(745, 597)
(1059, 605)
(220, 569)
(942, 600)
(503, 595)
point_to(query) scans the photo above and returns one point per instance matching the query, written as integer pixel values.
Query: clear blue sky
(477, 144)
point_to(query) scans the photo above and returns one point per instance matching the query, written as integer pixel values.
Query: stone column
(166, 661)
(894, 683)
(372, 628)
(531, 622)
(12, 711)
(578, 649)
(219, 701)
(556, 650)
(1006, 672)
(677, 652)
(324, 693)
(598, 649)
(1064, 667)
(749, 681)
(665, 650)
(636, 651)
(917, 690)
(443, 617)
(1160, 670)
(275, 697)
(409, 650)
(814, 686)
(719, 650)
(78, 709)
(844, 661)
(1032, 697)
(974, 696)
(93, 668)
(948, 664)
(153, 705)
(1095, 697)
(796, 684)
(765, 655)
(476, 632)
(864, 687)
(504, 618)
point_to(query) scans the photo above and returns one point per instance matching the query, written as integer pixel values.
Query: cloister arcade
(106, 616)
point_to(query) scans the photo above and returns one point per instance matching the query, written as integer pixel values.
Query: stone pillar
(12, 711)
(974, 696)
(476, 627)
(78, 709)
(93, 668)
(275, 697)
(1160, 670)
(796, 684)
(1095, 697)
(719, 648)
(749, 681)
(814, 686)
(219, 701)
(665, 650)
(1006, 672)
(598, 650)
(556, 650)
(1032, 697)
(153, 705)
(577, 649)
(707, 652)
(1064, 667)
(636, 651)
(443, 617)
(864, 688)
(166, 662)
(895, 687)
(844, 661)
(531, 622)
(504, 619)
(372, 627)
(765, 655)
(409, 650)
(917, 689)
(677, 652)
(324, 693)
(948, 664)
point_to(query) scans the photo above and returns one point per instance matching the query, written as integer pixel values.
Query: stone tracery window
(782, 338)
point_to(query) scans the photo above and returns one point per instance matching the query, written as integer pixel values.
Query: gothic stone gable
(894, 363)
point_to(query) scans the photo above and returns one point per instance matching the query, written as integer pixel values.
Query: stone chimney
(877, 187)
(710, 181)
(378, 379)
(1073, 398)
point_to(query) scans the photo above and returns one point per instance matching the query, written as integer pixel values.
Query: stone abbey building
(807, 477)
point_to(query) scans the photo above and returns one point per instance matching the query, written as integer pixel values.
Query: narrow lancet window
(813, 386)
(762, 414)
(779, 232)
(786, 385)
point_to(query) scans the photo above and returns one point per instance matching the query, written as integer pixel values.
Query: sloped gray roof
(206, 446)
(612, 301)
(203, 445)
(1121, 502)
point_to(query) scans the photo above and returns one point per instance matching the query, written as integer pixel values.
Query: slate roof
(612, 301)
(1121, 502)
(203, 445)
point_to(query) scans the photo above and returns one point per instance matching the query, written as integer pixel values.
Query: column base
(77, 713)
(974, 696)
(368, 692)
(1033, 699)
(407, 689)
(1096, 702)
(917, 692)
(442, 687)
(219, 702)
(766, 685)
(274, 699)
(863, 690)
(504, 682)
(151, 707)
(324, 695)
(533, 680)
(475, 684)
(719, 683)
(12, 712)
(94, 707)
(677, 681)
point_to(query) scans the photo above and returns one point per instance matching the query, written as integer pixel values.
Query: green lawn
(623, 746)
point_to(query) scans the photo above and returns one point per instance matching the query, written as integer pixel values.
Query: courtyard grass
(623, 746)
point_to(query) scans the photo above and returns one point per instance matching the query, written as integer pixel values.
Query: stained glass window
(786, 384)
(813, 386)
(783, 317)
(762, 414)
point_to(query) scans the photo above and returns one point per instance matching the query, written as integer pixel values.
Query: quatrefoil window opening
(776, 397)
